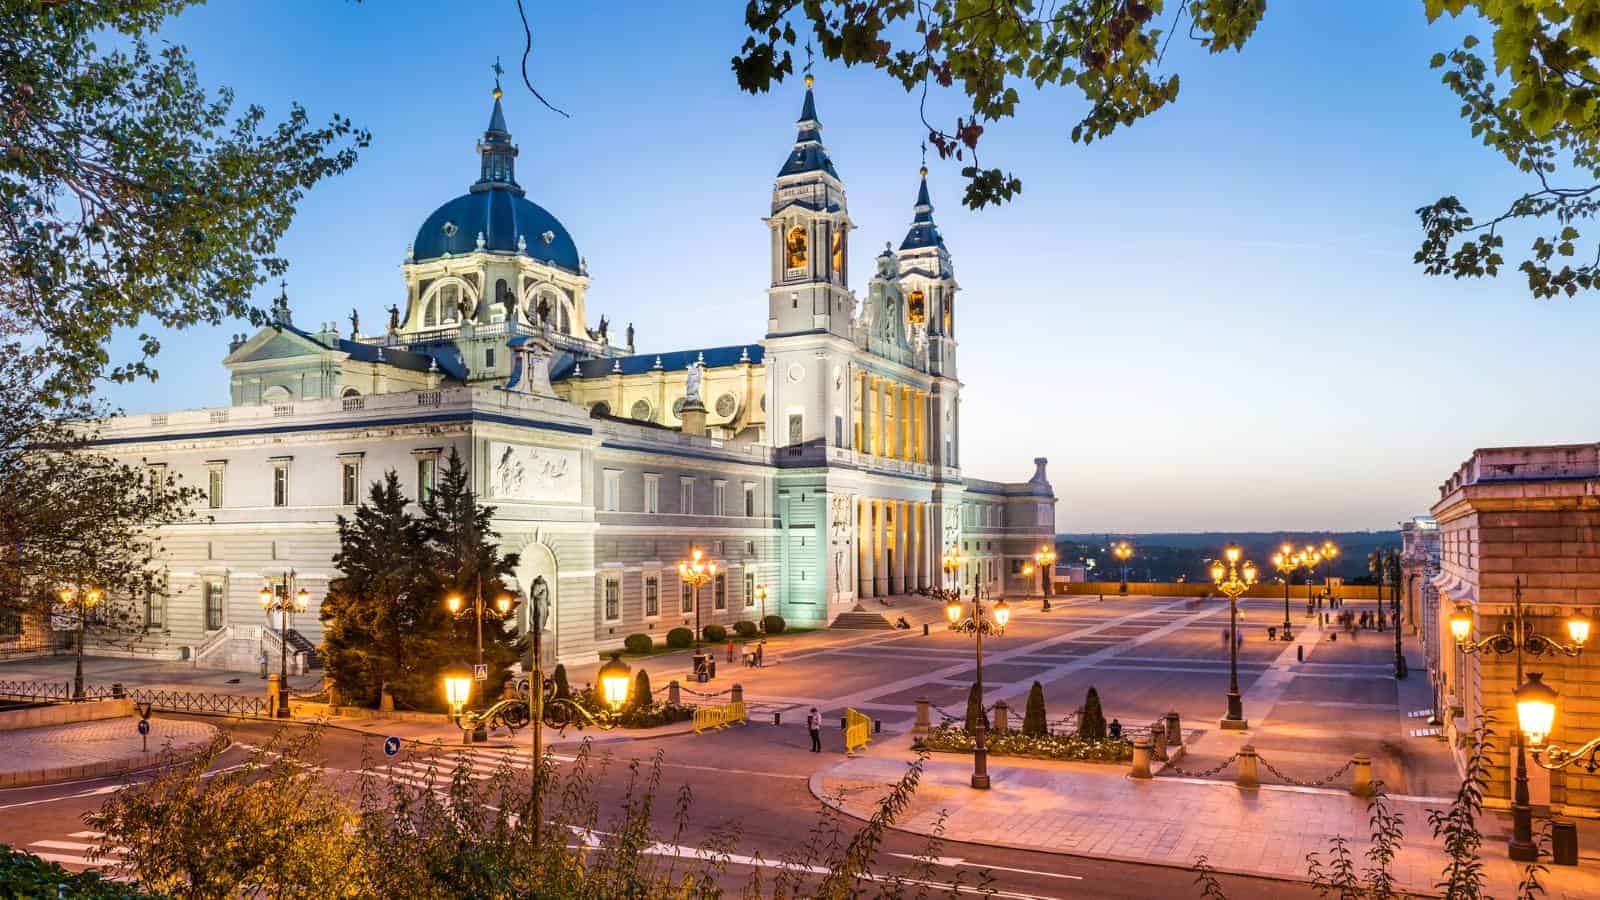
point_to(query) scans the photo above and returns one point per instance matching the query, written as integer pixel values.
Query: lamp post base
(981, 782)
(480, 734)
(1234, 720)
(1522, 852)
(1227, 724)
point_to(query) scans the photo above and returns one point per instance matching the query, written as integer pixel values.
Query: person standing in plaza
(814, 725)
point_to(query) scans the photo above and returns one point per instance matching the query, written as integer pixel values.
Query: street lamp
(1330, 551)
(1122, 550)
(952, 563)
(1518, 637)
(84, 599)
(290, 600)
(1536, 712)
(761, 597)
(1045, 560)
(994, 622)
(697, 572)
(1286, 561)
(1233, 579)
(614, 682)
(502, 604)
(457, 688)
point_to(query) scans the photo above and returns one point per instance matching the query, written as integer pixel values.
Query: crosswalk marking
(75, 852)
(1426, 732)
(1419, 713)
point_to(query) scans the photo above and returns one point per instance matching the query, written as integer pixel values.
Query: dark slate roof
(923, 233)
(502, 217)
(394, 356)
(640, 363)
(808, 154)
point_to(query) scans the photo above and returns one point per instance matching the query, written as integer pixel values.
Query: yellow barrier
(857, 730)
(709, 717)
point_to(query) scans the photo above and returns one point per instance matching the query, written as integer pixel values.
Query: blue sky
(1208, 321)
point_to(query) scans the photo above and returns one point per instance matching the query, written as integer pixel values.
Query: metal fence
(166, 700)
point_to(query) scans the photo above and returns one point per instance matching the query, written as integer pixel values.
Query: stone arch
(442, 305)
(537, 566)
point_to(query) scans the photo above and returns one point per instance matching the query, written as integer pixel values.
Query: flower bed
(956, 739)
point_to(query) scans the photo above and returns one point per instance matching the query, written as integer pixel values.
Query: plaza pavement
(93, 749)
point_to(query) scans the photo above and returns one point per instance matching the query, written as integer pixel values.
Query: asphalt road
(768, 802)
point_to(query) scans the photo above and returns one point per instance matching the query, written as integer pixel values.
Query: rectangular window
(426, 466)
(796, 428)
(350, 483)
(749, 588)
(213, 589)
(721, 590)
(488, 358)
(155, 611)
(749, 500)
(719, 498)
(838, 431)
(214, 488)
(613, 498)
(652, 596)
(687, 605)
(686, 496)
(280, 485)
(613, 599)
(652, 494)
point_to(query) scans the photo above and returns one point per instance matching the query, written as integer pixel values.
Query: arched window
(350, 392)
(443, 307)
(916, 307)
(838, 251)
(276, 394)
(795, 246)
(600, 409)
(950, 316)
(502, 301)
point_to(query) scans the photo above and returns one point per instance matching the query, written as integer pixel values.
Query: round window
(641, 410)
(727, 405)
(677, 408)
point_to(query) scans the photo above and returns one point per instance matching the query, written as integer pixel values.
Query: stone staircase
(860, 619)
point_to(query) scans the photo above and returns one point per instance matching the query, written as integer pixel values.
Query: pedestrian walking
(814, 725)
(761, 653)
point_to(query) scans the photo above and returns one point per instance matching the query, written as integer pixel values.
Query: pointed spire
(808, 154)
(496, 152)
(923, 233)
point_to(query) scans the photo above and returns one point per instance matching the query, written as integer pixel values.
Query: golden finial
(924, 171)
(810, 80)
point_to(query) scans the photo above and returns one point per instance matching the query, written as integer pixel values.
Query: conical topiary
(559, 676)
(641, 690)
(975, 713)
(1033, 721)
(1093, 723)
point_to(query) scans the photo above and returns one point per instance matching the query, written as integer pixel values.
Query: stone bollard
(1249, 775)
(272, 695)
(1174, 730)
(736, 694)
(1158, 740)
(1141, 759)
(1361, 775)
(673, 697)
(386, 702)
(1000, 711)
(924, 724)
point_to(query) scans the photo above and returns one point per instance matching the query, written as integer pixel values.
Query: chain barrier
(1178, 770)
(707, 696)
(1335, 775)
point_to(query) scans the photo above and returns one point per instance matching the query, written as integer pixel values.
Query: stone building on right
(1528, 519)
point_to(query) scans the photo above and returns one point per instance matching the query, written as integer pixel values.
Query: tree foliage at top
(130, 195)
(1110, 51)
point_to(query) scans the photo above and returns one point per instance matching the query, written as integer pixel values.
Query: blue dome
(501, 216)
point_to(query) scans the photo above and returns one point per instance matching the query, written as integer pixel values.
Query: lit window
(796, 247)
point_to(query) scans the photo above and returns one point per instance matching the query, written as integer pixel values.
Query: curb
(815, 786)
(92, 771)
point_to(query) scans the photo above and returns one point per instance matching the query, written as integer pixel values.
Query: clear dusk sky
(1210, 321)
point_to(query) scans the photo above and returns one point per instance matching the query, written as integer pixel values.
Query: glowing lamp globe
(1232, 553)
(91, 598)
(453, 603)
(1461, 624)
(302, 599)
(1249, 573)
(1286, 550)
(1536, 708)
(1002, 613)
(266, 598)
(503, 603)
(1218, 572)
(614, 682)
(457, 686)
(953, 611)
(1578, 628)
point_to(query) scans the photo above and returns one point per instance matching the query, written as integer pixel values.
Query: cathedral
(820, 466)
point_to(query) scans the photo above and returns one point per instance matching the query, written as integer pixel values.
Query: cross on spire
(807, 69)
(498, 71)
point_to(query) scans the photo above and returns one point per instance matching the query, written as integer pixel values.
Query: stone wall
(1261, 591)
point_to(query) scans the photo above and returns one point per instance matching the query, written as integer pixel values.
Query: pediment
(272, 344)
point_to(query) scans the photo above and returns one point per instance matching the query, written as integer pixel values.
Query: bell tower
(810, 234)
(928, 281)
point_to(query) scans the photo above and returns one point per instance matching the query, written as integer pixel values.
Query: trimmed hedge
(638, 643)
(774, 624)
(745, 628)
(715, 634)
(955, 739)
(678, 638)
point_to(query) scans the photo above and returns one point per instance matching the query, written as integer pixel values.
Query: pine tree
(975, 711)
(376, 605)
(1033, 721)
(465, 561)
(1093, 723)
(641, 690)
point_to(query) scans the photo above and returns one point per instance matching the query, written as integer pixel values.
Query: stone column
(880, 566)
(864, 546)
(914, 544)
(902, 546)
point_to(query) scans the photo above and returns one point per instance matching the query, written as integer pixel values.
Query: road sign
(144, 726)
(391, 746)
(480, 672)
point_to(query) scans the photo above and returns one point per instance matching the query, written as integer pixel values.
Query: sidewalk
(92, 749)
(1093, 810)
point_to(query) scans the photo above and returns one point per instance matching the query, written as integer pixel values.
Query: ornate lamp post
(761, 597)
(1122, 550)
(1310, 557)
(503, 605)
(952, 563)
(283, 604)
(82, 599)
(1518, 637)
(1233, 579)
(1286, 561)
(1044, 560)
(1330, 551)
(981, 623)
(697, 571)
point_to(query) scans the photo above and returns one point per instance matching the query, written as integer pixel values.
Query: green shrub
(641, 690)
(715, 634)
(953, 738)
(678, 638)
(559, 676)
(745, 628)
(774, 624)
(1092, 726)
(975, 713)
(638, 643)
(1033, 721)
